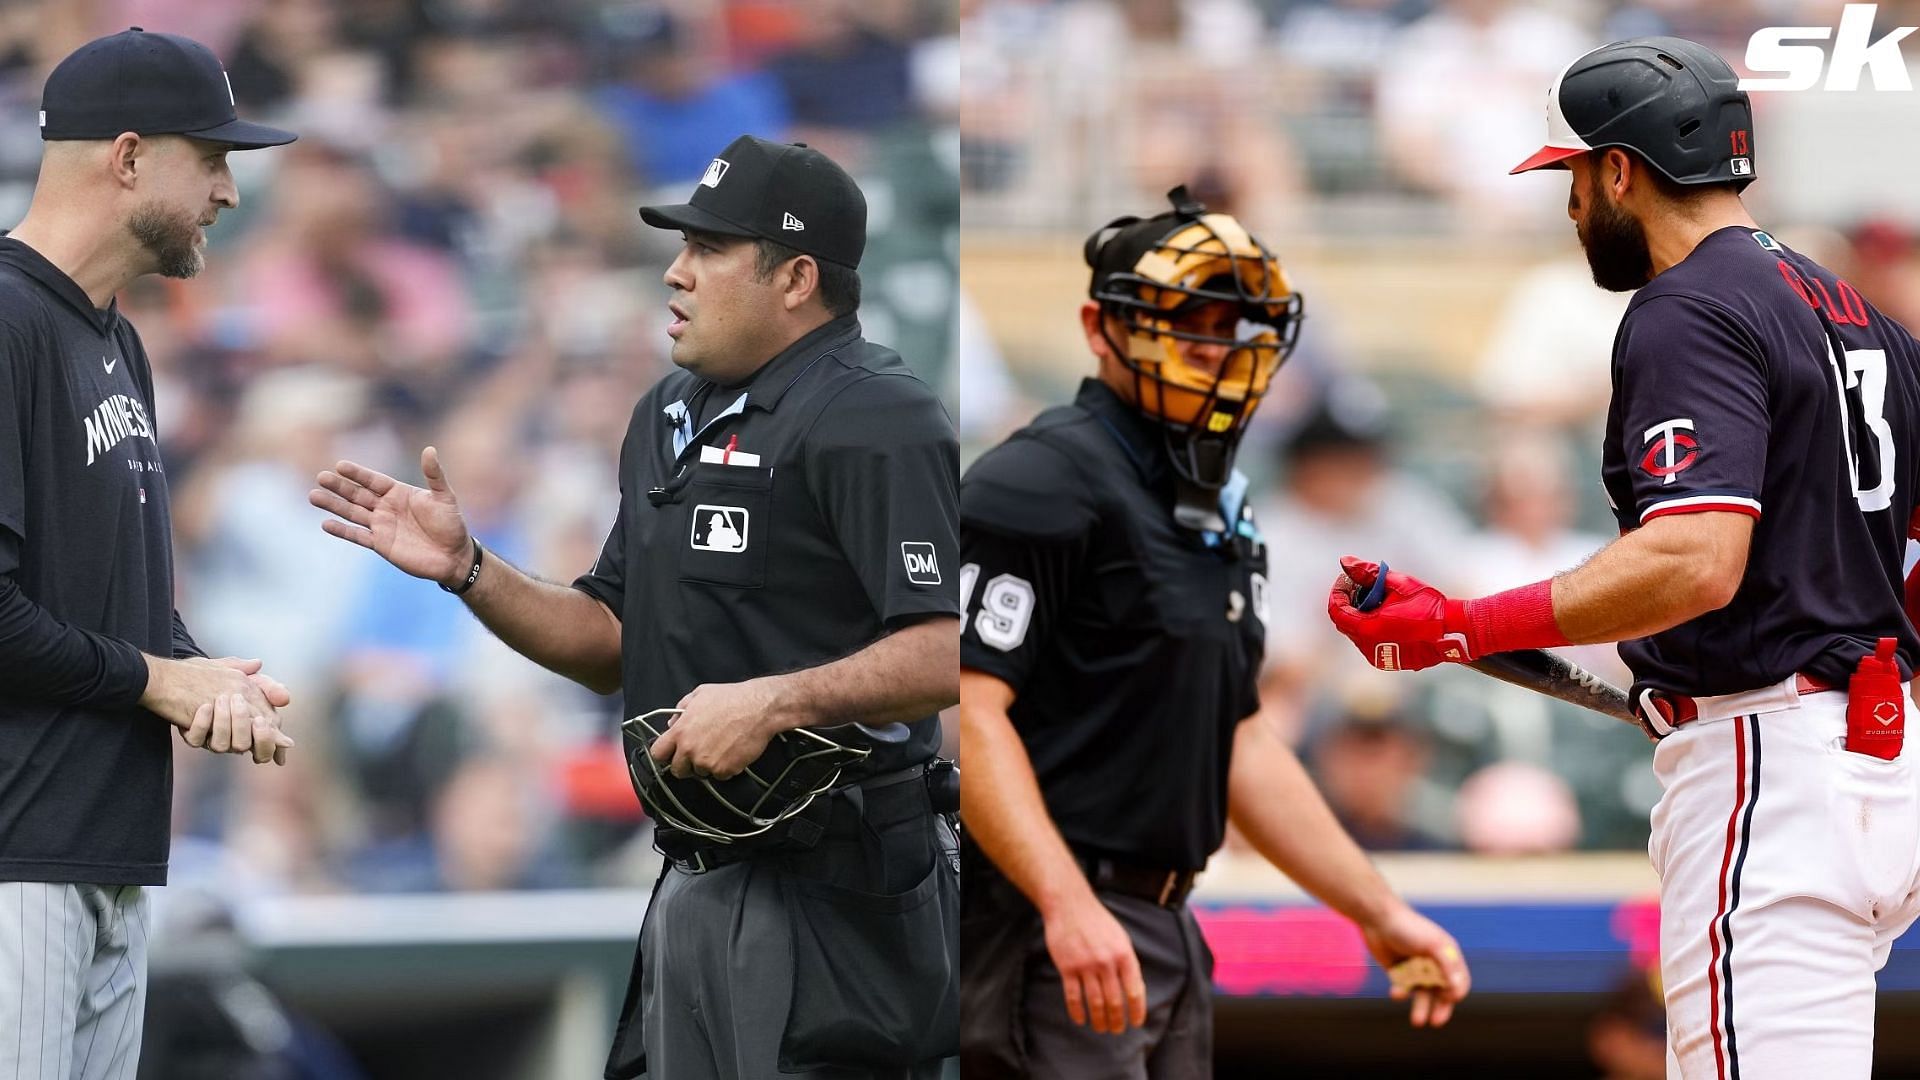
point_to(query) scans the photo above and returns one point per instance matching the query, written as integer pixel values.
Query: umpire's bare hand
(418, 530)
(1099, 971)
(227, 705)
(722, 728)
(1402, 933)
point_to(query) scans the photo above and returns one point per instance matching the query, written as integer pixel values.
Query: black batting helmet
(1672, 101)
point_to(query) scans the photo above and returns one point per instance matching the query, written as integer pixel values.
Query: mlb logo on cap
(788, 193)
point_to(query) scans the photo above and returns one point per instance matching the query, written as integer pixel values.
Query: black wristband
(473, 575)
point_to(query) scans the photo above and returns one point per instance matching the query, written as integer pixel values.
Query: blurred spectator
(848, 67)
(1878, 260)
(1343, 36)
(1529, 512)
(1164, 92)
(998, 40)
(265, 61)
(487, 830)
(259, 572)
(1549, 360)
(674, 90)
(995, 406)
(1627, 1038)
(1512, 808)
(1368, 767)
(1341, 495)
(330, 284)
(1462, 99)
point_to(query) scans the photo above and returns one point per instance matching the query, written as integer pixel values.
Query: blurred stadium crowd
(1444, 410)
(450, 255)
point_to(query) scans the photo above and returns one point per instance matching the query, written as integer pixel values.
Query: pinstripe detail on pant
(73, 963)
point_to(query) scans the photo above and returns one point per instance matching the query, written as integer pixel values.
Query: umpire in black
(1116, 587)
(782, 560)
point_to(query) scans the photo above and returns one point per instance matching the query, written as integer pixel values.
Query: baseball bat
(1533, 669)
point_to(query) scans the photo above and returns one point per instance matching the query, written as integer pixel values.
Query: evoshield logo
(1799, 65)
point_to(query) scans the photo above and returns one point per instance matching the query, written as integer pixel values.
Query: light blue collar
(1233, 499)
(682, 420)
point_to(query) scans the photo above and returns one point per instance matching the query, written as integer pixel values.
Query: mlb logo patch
(922, 567)
(1766, 240)
(716, 169)
(1742, 166)
(719, 528)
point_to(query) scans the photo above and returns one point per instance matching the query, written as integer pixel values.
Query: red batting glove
(1415, 626)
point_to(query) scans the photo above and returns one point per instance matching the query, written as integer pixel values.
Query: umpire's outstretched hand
(419, 530)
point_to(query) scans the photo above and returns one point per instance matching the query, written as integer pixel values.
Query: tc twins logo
(1670, 450)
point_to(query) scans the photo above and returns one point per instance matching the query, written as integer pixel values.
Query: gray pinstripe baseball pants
(73, 980)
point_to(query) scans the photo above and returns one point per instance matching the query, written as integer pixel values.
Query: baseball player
(1760, 458)
(94, 661)
(1113, 586)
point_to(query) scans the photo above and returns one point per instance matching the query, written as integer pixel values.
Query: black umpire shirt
(782, 524)
(86, 585)
(1133, 644)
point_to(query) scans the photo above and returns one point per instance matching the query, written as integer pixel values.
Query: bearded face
(1615, 243)
(172, 237)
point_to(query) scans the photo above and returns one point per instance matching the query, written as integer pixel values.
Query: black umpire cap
(788, 193)
(149, 84)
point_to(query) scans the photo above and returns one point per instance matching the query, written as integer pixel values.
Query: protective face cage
(1200, 259)
(797, 767)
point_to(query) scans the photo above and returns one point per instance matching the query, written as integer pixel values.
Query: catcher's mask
(797, 767)
(1155, 276)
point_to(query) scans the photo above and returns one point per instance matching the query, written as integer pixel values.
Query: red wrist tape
(1516, 619)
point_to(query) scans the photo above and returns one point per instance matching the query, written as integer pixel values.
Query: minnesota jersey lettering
(115, 420)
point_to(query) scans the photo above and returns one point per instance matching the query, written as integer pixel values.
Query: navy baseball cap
(149, 84)
(789, 193)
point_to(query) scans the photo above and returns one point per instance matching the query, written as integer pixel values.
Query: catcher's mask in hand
(797, 767)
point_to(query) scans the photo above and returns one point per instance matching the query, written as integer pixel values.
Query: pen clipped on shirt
(728, 455)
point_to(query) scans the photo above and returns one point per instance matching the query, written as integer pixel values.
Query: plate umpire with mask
(1116, 585)
(776, 603)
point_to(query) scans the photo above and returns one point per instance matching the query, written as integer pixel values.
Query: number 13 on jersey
(1862, 385)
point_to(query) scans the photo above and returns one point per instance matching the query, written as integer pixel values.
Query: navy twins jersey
(1750, 379)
